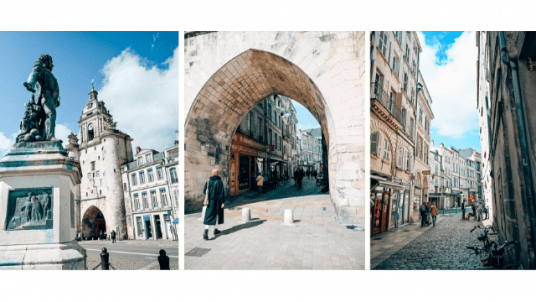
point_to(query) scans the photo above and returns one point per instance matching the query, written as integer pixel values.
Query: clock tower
(102, 150)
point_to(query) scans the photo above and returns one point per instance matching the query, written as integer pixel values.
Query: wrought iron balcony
(377, 93)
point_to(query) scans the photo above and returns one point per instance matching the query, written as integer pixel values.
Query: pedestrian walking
(301, 175)
(473, 207)
(434, 213)
(463, 209)
(479, 208)
(423, 210)
(112, 234)
(101, 235)
(260, 182)
(214, 201)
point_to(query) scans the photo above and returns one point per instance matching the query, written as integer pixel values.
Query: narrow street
(317, 241)
(441, 247)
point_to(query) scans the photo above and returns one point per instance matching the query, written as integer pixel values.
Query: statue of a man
(48, 93)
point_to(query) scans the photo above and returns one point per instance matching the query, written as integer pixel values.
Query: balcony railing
(377, 93)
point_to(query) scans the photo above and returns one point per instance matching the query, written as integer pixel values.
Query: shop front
(385, 198)
(248, 159)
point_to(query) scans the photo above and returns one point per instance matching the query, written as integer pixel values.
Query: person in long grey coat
(214, 211)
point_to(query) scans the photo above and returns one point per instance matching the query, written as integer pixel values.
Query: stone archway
(228, 73)
(93, 222)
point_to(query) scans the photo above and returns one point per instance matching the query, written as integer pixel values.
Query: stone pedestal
(37, 208)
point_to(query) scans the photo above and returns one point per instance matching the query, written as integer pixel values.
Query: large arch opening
(324, 74)
(93, 224)
(225, 100)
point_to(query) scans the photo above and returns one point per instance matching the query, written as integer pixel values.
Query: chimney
(138, 149)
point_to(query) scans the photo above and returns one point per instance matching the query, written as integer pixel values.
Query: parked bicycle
(484, 237)
(494, 259)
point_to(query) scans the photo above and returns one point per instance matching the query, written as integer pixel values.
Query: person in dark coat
(163, 260)
(214, 211)
(112, 234)
(301, 175)
(463, 209)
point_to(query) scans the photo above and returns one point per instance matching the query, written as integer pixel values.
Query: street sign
(176, 221)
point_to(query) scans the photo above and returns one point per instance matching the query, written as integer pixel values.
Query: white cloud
(452, 85)
(5, 143)
(143, 100)
(62, 132)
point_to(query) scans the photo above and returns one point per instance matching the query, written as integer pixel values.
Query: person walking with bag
(434, 213)
(214, 201)
(423, 209)
(112, 234)
(260, 182)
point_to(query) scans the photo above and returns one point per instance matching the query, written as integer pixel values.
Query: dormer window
(149, 158)
(140, 161)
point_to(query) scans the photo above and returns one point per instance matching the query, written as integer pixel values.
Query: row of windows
(148, 159)
(154, 200)
(380, 147)
(159, 173)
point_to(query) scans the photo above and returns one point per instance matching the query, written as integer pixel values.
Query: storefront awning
(384, 182)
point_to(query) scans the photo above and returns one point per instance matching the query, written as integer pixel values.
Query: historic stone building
(228, 73)
(393, 128)
(150, 184)
(310, 149)
(510, 72)
(265, 140)
(102, 151)
(482, 105)
(421, 172)
(456, 175)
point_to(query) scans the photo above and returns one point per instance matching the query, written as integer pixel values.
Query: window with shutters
(392, 96)
(405, 85)
(374, 143)
(383, 43)
(411, 125)
(404, 119)
(400, 158)
(393, 64)
(386, 149)
(408, 166)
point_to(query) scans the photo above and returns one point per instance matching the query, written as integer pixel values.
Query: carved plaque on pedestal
(30, 209)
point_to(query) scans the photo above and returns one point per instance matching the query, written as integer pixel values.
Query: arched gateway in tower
(228, 73)
(102, 151)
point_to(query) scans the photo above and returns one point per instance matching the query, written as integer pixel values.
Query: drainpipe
(522, 139)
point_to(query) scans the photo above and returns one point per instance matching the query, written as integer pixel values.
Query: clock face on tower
(90, 127)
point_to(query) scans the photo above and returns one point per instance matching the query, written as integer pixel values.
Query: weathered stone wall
(227, 73)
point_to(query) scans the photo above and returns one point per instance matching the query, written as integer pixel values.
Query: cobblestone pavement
(317, 241)
(441, 247)
(120, 263)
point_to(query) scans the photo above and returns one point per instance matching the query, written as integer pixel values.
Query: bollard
(289, 218)
(246, 216)
(105, 259)
(163, 260)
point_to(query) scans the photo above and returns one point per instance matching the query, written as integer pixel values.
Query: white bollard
(246, 215)
(289, 218)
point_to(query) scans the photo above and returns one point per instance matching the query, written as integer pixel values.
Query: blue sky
(305, 119)
(448, 66)
(121, 64)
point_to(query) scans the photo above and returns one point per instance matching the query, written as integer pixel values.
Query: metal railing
(377, 93)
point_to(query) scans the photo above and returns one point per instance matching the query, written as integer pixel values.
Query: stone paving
(317, 241)
(128, 262)
(441, 247)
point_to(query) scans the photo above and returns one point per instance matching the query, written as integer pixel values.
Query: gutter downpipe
(523, 142)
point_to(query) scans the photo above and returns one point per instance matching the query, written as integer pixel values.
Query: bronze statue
(48, 100)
